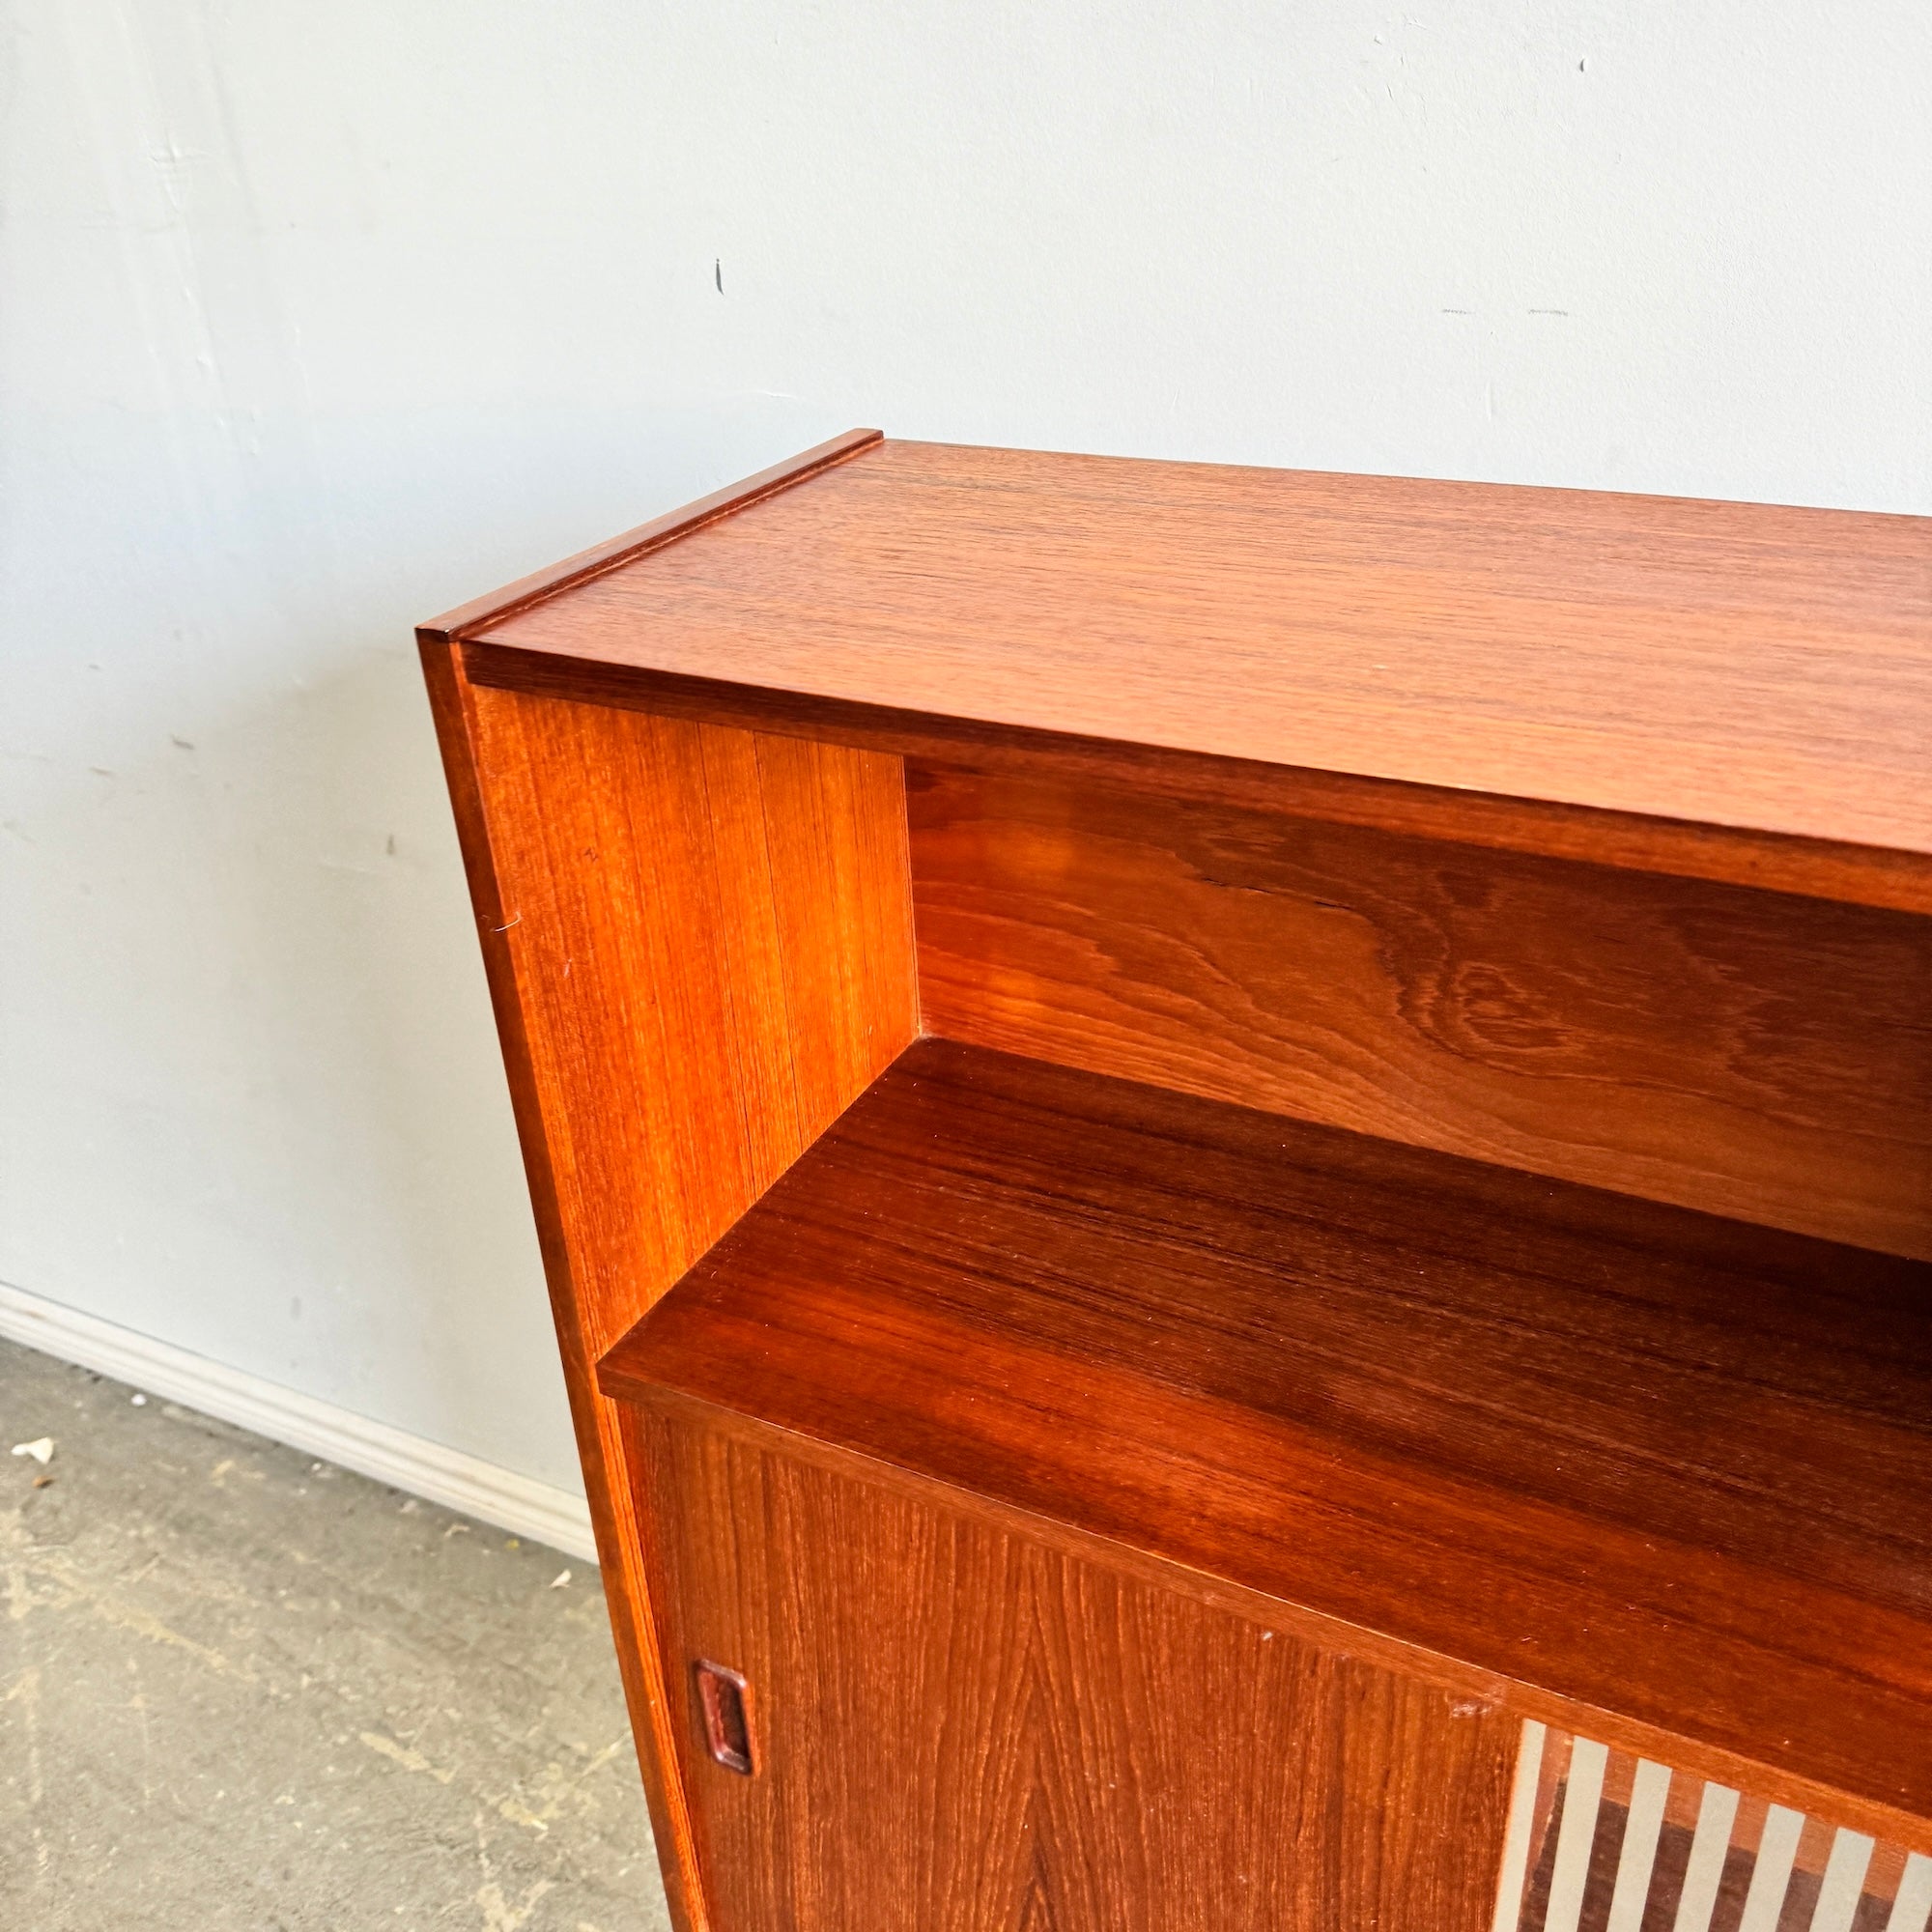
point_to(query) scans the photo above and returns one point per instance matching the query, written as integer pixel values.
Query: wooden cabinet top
(1720, 689)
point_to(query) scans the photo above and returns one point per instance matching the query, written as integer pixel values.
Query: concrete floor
(243, 1692)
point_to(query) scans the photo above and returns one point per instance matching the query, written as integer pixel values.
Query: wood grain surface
(1672, 1468)
(1752, 1054)
(700, 948)
(962, 1729)
(1716, 671)
(495, 606)
(1588, 834)
(712, 939)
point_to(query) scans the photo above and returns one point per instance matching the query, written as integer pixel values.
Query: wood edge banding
(595, 1421)
(1889, 880)
(497, 605)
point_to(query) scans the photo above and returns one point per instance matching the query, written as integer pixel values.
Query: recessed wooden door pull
(721, 1707)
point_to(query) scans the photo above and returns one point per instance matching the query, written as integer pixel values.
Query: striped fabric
(1602, 1842)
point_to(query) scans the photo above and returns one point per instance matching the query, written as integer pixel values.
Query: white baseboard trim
(410, 1462)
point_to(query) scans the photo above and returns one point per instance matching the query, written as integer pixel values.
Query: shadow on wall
(256, 1107)
(270, 1124)
(384, 1090)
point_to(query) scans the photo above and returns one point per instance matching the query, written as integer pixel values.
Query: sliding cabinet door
(904, 1718)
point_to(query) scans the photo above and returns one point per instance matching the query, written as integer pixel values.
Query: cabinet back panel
(1746, 1052)
(958, 1729)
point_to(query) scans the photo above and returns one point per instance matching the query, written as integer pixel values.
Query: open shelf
(1673, 1468)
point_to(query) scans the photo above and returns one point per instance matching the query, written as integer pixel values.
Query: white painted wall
(318, 317)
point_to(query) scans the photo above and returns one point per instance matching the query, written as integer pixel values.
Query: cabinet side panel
(712, 945)
(1750, 1054)
(960, 1729)
(700, 950)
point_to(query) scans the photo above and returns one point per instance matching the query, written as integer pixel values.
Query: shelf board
(1728, 690)
(1674, 1467)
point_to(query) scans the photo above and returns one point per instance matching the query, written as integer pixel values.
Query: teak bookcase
(1236, 1174)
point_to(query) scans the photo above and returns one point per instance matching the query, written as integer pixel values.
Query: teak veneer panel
(713, 941)
(1728, 690)
(960, 1729)
(1591, 835)
(1673, 1468)
(700, 949)
(1746, 1052)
